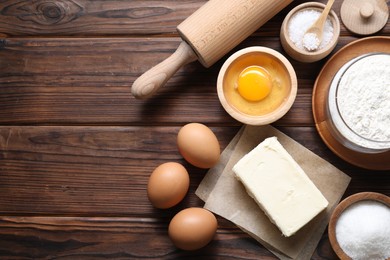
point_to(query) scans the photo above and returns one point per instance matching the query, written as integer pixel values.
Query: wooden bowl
(320, 96)
(341, 207)
(303, 55)
(263, 57)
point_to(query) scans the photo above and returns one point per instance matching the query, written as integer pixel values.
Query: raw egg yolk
(254, 83)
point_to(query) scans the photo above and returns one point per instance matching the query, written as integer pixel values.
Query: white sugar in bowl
(359, 227)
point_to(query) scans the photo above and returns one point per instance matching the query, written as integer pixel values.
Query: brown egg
(192, 228)
(168, 185)
(198, 145)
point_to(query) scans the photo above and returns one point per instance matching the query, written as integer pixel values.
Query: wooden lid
(364, 17)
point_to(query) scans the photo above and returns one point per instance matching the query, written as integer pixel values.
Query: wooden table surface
(76, 149)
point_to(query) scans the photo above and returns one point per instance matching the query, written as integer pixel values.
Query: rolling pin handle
(156, 77)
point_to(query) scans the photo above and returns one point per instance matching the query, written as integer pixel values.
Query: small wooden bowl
(257, 55)
(303, 55)
(362, 196)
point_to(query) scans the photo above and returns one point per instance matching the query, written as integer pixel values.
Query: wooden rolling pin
(208, 34)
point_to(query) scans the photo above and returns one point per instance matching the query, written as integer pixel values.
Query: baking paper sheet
(226, 196)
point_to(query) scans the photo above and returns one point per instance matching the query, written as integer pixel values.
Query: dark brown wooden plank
(86, 170)
(103, 171)
(121, 237)
(115, 17)
(114, 238)
(129, 238)
(77, 81)
(86, 17)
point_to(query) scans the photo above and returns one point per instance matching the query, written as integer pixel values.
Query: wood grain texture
(103, 171)
(114, 17)
(80, 81)
(88, 81)
(76, 149)
(84, 17)
(112, 238)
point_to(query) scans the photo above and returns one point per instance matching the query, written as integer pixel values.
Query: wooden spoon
(313, 36)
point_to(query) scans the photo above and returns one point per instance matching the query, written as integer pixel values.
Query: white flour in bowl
(363, 100)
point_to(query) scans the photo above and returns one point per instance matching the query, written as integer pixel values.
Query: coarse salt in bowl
(300, 46)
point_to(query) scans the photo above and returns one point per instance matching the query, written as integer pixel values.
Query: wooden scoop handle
(319, 24)
(156, 77)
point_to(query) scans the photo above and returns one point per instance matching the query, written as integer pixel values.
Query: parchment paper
(226, 196)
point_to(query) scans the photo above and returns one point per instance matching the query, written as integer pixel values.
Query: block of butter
(279, 186)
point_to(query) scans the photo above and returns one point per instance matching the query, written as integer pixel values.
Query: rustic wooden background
(76, 149)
